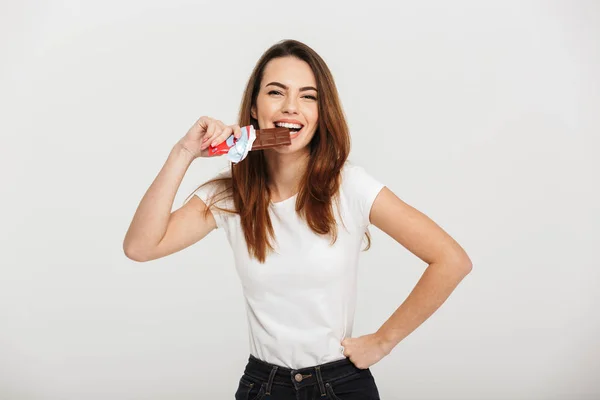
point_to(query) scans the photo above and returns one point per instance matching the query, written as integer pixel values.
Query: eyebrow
(281, 85)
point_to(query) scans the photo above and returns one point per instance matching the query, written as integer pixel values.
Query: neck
(285, 173)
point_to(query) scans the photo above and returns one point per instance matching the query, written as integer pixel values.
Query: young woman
(295, 217)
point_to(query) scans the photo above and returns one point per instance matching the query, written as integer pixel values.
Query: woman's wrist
(180, 151)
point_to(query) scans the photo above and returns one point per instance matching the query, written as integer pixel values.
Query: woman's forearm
(435, 286)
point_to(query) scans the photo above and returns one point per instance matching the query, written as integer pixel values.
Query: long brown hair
(329, 149)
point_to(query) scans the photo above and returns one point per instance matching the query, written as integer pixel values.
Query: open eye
(274, 92)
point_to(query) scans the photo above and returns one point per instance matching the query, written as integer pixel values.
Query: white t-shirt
(300, 303)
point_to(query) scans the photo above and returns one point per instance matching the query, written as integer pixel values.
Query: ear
(253, 112)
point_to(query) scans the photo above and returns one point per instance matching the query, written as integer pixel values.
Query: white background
(483, 115)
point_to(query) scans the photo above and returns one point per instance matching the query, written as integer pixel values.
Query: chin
(288, 149)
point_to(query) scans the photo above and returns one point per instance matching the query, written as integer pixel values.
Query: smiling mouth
(294, 128)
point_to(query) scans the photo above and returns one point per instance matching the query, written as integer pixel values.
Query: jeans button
(298, 377)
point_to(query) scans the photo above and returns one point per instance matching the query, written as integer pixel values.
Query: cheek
(268, 110)
(263, 107)
(312, 133)
(311, 112)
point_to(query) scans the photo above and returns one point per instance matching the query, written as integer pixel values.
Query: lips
(293, 125)
(295, 134)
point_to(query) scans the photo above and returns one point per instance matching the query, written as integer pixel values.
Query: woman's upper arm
(187, 225)
(414, 230)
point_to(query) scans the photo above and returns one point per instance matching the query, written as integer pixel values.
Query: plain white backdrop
(482, 115)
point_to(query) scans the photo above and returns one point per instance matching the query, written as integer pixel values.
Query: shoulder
(355, 178)
(219, 178)
(359, 189)
(217, 188)
(224, 172)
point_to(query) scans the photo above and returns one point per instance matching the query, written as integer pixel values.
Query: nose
(289, 105)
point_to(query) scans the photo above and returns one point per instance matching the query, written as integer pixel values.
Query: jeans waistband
(298, 378)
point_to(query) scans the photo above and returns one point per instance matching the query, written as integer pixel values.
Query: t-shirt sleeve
(207, 193)
(363, 188)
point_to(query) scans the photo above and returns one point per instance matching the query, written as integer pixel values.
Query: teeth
(288, 125)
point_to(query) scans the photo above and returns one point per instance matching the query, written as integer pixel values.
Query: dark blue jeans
(337, 380)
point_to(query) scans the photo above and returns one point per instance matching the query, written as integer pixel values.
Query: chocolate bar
(271, 137)
(237, 149)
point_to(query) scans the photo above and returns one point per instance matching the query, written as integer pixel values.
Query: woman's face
(288, 95)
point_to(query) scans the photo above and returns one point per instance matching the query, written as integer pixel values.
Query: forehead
(290, 71)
